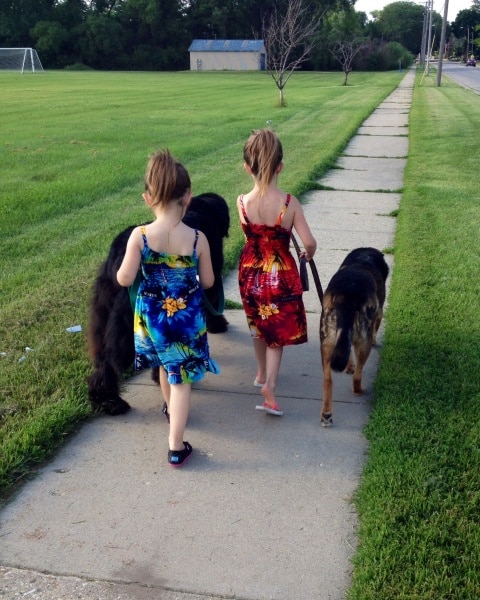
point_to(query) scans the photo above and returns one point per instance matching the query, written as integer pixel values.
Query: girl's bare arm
(301, 227)
(205, 269)
(128, 270)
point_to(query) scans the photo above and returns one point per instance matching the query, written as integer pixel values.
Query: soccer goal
(20, 59)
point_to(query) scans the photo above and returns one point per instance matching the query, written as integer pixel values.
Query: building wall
(226, 61)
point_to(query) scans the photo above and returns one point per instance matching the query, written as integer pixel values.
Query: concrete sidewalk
(263, 510)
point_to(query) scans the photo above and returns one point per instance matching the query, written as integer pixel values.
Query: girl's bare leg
(260, 349)
(273, 361)
(179, 408)
(165, 386)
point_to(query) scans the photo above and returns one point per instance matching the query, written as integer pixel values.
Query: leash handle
(221, 303)
(313, 268)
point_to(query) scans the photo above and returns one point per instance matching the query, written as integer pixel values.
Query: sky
(454, 6)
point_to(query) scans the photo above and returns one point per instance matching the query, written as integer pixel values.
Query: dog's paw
(358, 390)
(217, 324)
(326, 419)
(112, 406)
(119, 407)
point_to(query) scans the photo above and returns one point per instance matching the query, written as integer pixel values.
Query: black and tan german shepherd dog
(351, 315)
(110, 329)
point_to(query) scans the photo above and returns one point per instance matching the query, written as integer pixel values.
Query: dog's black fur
(110, 331)
(351, 315)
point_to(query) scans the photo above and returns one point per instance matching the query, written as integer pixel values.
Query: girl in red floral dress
(268, 276)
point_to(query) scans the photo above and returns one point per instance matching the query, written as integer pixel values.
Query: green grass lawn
(74, 148)
(419, 500)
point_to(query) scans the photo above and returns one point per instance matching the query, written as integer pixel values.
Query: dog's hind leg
(376, 326)
(350, 368)
(326, 413)
(366, 324)
(362, 352)
(103, 390)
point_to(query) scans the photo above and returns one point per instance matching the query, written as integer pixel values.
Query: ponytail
(263, 153)
(166, 178)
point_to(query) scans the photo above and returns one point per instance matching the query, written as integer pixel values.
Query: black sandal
(177, 458)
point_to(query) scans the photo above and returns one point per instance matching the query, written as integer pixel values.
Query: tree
(346, 38)
(289, 38)
(346, 51)
(106, 6)
(50, 40)
(101, 41)
(70, 13)
(56, 39)
(402, 22)
(227, 20)
(154, 33)
(17, 19)
(464, 29)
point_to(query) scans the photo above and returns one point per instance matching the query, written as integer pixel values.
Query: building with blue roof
(227, 55)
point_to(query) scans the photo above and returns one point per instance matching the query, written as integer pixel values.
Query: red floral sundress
(270, 285)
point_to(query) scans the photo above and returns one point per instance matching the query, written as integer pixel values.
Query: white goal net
(20, 59)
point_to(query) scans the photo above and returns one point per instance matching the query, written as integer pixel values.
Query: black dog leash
(313, 268)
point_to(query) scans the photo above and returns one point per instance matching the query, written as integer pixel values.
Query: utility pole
(424, 35)
(429, 43)
(442, 44)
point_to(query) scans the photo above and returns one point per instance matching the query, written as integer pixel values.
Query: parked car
(471, 62)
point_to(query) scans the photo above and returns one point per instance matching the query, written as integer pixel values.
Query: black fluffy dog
(110, 331)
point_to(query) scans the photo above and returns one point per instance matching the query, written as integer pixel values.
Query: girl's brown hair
(166, 178)
(263, 153)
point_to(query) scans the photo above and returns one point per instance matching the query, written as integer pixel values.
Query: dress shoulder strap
(144, 236)
(244, 213)
(195, 243)
(283, 211)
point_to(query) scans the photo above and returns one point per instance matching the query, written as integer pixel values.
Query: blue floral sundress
(169, 325)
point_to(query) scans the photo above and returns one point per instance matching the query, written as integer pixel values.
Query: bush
(391, 56)
(78, 67)
(386, 57)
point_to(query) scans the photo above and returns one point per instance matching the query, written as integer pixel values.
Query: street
(468, 77)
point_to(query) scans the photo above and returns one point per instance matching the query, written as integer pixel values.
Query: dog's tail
(341, 351)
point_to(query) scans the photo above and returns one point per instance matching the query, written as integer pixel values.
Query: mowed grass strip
(74, 147)
(419, 500)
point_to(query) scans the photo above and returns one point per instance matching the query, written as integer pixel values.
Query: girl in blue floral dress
(169, 324)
